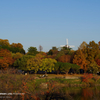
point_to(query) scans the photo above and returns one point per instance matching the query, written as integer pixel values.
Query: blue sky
(49, 22)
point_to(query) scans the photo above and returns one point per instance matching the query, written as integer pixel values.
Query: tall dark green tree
(32, 51)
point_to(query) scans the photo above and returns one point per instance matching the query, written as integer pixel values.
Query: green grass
(17, 80)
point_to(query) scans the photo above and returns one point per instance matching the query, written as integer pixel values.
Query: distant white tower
(68, 46)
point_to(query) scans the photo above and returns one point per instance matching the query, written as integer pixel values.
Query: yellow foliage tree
(48, 64)
(4, 42)
(35, 63)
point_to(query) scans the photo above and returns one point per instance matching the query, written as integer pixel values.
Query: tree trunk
(57, 72)
(45, 73)
(67, 73)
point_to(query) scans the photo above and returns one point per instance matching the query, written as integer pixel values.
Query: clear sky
(49, 22)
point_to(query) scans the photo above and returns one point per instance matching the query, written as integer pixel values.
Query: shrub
(87, 77)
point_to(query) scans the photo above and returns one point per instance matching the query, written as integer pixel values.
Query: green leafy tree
(21, 63)
(55, 48)
(17, 55)
(67, 51)
(32, 51)
(75, 68)
(50, 52)
(65, 67)
(57, 67)
(17, 49)
(93, 68)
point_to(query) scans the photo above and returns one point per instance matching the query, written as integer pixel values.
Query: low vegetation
(35, 87)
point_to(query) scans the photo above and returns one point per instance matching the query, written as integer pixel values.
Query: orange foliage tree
(98, 61)
(5, 59)
(17, 45)
(65, 58)
(80, 59)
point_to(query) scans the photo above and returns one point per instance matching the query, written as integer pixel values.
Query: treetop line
(87, 57)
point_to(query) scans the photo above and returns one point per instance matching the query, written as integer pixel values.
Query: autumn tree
(4, 42)
(5, 59)
(43, 54)
(80, 59)
(35, 63)
(97, 59)
(48, 64)
(92, 51)
(98, 62)
(99, 44)
(17, 47)
(83, 46)
(14, 47)
(62, 54)
(65, 58)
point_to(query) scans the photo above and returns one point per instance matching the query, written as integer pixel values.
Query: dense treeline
(14, 47)
(87, 57)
